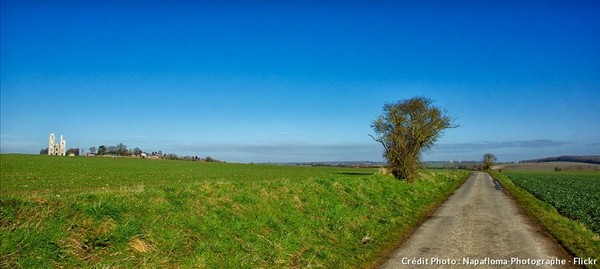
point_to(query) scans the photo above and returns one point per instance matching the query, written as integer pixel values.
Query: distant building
(59, 149)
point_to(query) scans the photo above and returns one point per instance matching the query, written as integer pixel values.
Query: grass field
(566, 204)
(101, 212)
(549, 167)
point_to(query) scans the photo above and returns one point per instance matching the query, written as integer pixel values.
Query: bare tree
(405, 129)
(102, 150)
(488, 161)
(121, 149)
(112, 150)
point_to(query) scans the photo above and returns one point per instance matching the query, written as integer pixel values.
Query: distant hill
(333, 163)
(594, 159)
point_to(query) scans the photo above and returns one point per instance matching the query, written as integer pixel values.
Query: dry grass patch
(299, 204)
(88, 240)
(383, 171)
(138, 245)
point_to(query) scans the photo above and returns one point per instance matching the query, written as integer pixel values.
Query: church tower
(63, 147)
(54, 148)
(51, 144)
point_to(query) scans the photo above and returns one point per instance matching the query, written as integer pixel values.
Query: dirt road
(478, 227)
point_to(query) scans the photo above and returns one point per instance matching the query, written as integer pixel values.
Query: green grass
(100, 212)
(574, 235)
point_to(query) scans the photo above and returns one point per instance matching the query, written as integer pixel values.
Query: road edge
(569, 237)
(403, 237)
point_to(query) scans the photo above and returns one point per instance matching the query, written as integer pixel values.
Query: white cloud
(285, 152)
(489, 145)
(507, 150)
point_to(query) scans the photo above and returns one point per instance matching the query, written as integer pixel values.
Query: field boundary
(573, 236)
(404, 234)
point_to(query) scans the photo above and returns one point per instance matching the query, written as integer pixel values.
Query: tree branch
(380, 141)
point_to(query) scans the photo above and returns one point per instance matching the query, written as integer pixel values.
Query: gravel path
(478, 227)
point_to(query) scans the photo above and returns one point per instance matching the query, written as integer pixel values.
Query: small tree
(488, 161)
(112, 150)
(102, 150)
(121, 149)
(73, 151)
(93, 150)
(405, 129)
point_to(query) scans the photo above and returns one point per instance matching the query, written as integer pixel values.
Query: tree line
(594, 159)
(117, 150)
(121, 150)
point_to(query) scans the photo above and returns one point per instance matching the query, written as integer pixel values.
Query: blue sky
(299, 81)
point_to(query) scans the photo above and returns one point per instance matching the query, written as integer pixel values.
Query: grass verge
(574, 236)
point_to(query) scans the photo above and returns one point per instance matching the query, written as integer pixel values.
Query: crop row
(574, 196)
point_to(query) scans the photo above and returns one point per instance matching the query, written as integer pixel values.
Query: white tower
(57, 148)
(63, 147)
(51, 143)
